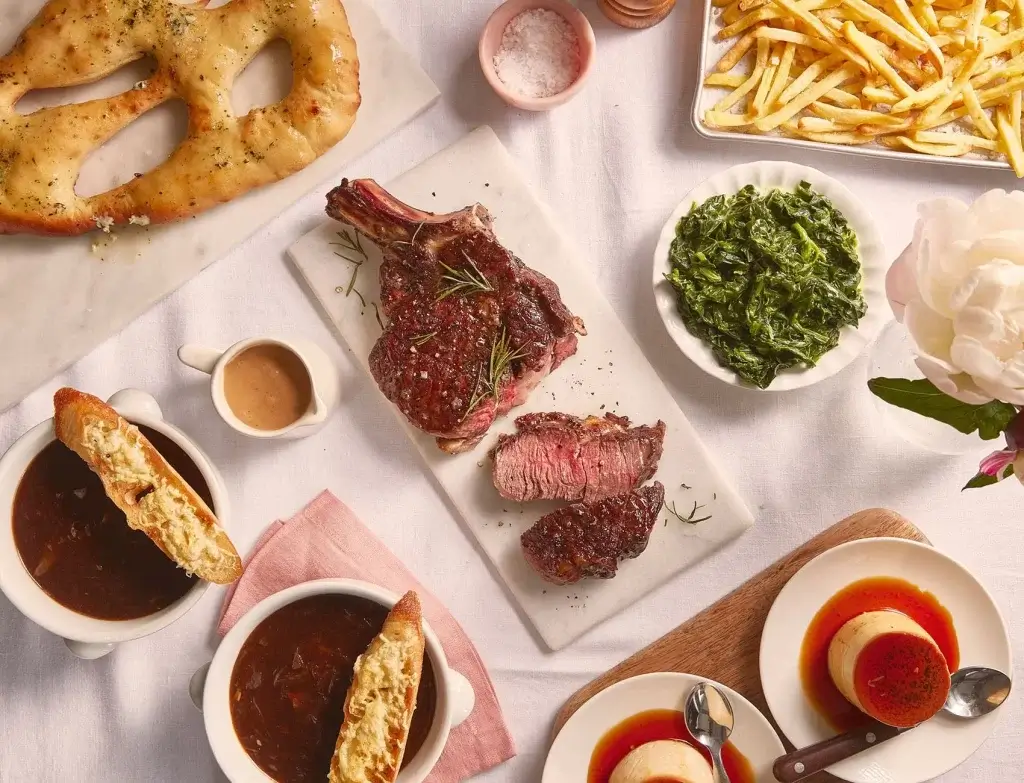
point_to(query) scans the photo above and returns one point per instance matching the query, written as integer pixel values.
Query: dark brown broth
(77, 545)
(290, 679)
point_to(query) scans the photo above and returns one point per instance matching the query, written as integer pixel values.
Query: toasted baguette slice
(151, 493)
(381, 700)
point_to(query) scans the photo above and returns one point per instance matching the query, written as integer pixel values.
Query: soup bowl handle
(88, 651)
(134, 402)
(461, 696)
(197, 685)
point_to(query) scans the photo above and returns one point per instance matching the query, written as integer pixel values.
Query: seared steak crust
(555, 456)
(589, 539)
(435, 360)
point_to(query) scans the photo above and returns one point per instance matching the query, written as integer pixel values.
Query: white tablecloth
(612, 164)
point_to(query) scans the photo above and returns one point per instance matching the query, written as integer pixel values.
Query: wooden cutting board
(695, 646)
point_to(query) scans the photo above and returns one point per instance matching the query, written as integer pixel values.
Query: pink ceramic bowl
(490, 41)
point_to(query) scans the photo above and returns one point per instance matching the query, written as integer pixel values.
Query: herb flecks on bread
(151, 493)
(381, 700)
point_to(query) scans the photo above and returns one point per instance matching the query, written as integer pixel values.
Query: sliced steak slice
(555, 456)
(470, 329)
(589, 539)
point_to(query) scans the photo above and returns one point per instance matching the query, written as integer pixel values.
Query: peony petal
(988, 327)
(960, 386)
(941, 225)
(975, 357)
(998, 390)
(901, 281)
(997, 285)
(997, 210)
(931, 334)
(994, 464)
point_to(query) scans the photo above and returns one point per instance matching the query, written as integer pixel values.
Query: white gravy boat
(323, 380)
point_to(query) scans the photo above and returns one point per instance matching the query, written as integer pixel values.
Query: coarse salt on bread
(381, 700)
(140, 482)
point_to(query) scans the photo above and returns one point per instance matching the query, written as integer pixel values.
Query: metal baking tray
(706, 97)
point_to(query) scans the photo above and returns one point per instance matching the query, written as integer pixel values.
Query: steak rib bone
(470, 330)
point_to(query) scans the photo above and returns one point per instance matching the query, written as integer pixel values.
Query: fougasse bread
(140, 482)
(199, 52)
(381, 700)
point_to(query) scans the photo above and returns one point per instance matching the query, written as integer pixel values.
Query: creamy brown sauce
(290, 679)
(77, 545)
(267, 387)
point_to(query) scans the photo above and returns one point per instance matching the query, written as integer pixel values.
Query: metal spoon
(710, 719)
(973, 691)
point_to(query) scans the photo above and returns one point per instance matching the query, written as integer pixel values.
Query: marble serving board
(608, 374)
(61, 297)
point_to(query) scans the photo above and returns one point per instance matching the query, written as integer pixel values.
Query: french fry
(953, 149)
(980, 118)
(880, 95)
(944, 100)
(736, 53)
(1015, 107)
(758, 106)
(732, 13)
(730, 80)
(781, 75)
(840, 97)
(1010, 141)
(717, 119)
(907, 18)
(977, 142)
(974, 23)
(746, 22)
(752, 81)
(870, 51)
(854, 116)
(817, 124)
(889, 25)
(807, 97)
(812, 72)
(777, 34)
(922, 97)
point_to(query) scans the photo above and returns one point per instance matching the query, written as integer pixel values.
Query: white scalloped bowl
(766, 175)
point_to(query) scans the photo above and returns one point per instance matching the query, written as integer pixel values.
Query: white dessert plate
(569, 757)
(936, 746)
(767, 175)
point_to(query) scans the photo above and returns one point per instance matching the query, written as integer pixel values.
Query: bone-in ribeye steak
(471, 330)
(555, 456)
(589, 539)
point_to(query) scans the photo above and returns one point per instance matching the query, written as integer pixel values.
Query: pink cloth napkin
(325, 540)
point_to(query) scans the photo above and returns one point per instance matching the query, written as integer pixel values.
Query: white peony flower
(959, 289)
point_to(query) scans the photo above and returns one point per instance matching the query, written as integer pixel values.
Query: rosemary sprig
(463, 281)
(376, 314)
(690, 519)
(352, 244)
(422, 339)
(488, 382)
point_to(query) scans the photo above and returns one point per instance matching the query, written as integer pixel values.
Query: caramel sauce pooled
(267, 387)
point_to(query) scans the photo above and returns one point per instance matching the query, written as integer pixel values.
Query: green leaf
(984, 480)
(922, 397)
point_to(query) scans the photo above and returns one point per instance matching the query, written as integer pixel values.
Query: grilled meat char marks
(555, 456)
(590, 539)
(444, 342)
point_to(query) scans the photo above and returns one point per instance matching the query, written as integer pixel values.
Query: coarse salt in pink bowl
(490, 43)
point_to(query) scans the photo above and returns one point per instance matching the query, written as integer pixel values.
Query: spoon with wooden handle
(973, 691)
